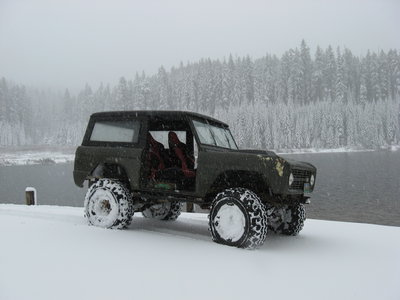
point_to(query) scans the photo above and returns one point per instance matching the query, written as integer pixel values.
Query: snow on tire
(168, 211)
(238, 218)
(108, 204)
(288, 220)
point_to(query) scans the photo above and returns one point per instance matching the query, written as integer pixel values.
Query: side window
(220, 137)
(230, 139)
(126, 131)
(204, 133)
(214, 135)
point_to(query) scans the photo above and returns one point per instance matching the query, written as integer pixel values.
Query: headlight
(291, 179)
(312, 180)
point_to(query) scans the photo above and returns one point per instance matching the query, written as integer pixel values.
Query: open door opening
(170, 162)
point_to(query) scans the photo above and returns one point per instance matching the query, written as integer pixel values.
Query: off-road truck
(153, 161)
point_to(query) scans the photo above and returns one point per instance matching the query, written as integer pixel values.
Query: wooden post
(30, 196)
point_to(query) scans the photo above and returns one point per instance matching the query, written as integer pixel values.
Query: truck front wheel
(288, 219)
(238, 218)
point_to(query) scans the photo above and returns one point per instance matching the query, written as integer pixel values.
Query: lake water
(355, 187)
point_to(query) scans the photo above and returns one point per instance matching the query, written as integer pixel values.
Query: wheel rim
(230, 222)
(102, 208)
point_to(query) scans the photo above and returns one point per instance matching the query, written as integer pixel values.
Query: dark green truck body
(218, 168)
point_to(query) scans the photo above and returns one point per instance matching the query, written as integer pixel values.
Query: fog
(61, 44)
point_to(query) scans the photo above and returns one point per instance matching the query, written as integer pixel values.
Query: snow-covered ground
(49, 252)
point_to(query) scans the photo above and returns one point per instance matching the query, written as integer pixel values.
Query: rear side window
(124, 131)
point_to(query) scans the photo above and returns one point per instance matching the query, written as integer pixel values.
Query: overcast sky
(61, 44)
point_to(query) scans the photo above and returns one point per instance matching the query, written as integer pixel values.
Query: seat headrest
(151, 140)
(173, 138)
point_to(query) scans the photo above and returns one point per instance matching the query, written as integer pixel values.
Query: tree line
(330, 99)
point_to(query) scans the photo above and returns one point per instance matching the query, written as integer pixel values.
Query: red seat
(182, 159)
(154, 157)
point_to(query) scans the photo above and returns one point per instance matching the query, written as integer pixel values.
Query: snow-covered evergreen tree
(332, 99)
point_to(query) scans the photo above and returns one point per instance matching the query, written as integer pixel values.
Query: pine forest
(327, 99)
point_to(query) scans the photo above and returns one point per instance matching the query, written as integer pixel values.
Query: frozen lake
(356, 187)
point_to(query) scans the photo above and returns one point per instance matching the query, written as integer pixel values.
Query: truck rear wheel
(108, 204)
(168, 211)
(288, 219)
(238, 218)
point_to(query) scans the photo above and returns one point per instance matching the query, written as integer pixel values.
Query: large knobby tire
(108, 204)
(238, 218)
(287, 219)
(168, 211)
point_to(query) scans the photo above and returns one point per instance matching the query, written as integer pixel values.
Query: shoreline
(36, 155)
(47, 155)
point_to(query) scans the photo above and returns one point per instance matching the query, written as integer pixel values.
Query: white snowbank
(49, 252)
(394, 148)
(334, 150)
(26, 157)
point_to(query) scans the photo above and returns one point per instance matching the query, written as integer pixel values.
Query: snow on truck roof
(173, 114)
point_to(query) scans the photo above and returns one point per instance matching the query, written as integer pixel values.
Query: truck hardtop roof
(172, 114)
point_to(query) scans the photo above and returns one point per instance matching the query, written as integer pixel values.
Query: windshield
(214, 135)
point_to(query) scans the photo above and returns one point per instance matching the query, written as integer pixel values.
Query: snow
(105, 208)
(49, 252)
(26, 156)
(230, 222)
(333, 150)
(394, 148)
